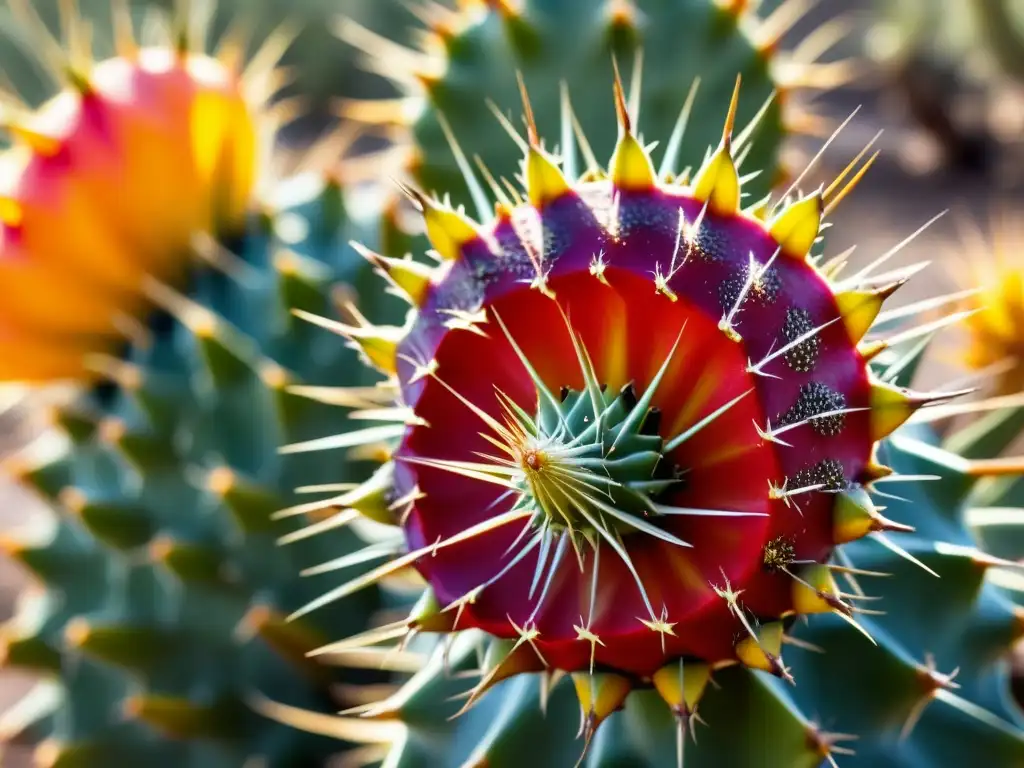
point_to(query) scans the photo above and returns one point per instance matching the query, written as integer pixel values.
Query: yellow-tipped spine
(763, 650)
(815, 591)
(600, 694)
(718, 181)
(855, 516)
(544, 179)
(448, 231)
(796, 227)
(682, 684)
(860, 308)
(630, 167)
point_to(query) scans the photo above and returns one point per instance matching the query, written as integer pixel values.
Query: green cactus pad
(472, 58)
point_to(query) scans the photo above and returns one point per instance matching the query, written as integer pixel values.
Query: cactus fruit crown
(641, 424)
(112, 180)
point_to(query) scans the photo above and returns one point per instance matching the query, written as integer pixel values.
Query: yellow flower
(995, 332)
(108, 183)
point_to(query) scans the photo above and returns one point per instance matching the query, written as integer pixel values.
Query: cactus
(980, 35)
(163, 612)
(649, 440)
(161, 592)
(472, 56)
(166, 473)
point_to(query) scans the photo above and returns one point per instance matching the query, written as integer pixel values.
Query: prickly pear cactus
(76, 244)
(655, 454)
(472, 56)
(172, 557)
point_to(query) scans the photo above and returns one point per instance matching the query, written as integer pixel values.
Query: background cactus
(472, 57)
(981, 34)
(67, 220)
(166, 588)
(162, 589)
(320, 68)
(590, 494)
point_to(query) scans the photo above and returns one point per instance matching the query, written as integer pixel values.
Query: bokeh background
(943, 80)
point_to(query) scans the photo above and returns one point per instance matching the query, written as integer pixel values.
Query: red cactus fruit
(640, 421)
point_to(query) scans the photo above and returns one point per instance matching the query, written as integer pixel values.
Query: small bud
(630, 166)
(379, 344)
(763, 651)
(815, 591)
(855, 516)
(891, 406)
(447, 230)
(371, 499)
(718, 183)
(600, 694)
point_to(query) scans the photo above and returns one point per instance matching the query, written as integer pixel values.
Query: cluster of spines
(914, 684)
